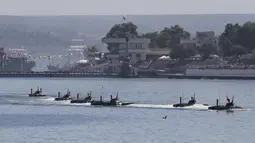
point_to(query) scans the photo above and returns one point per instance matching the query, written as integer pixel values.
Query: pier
(55, 74)
(115, 75)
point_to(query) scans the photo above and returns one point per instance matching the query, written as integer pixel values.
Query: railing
(55, 74)
(145, 64)
(221, 67)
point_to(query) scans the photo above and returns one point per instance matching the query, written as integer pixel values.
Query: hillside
(51, 33)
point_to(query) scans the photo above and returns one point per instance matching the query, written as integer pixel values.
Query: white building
(136, 49)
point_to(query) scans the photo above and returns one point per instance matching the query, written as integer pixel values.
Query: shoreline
(114, 75)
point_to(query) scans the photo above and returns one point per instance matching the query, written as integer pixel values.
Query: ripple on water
(47, 121)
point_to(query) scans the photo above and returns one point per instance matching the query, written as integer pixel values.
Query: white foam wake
(64, 102)
(48, 99)
(194, 107)
(155, 106)
(200, 107)
(79, 104)
(241, 109)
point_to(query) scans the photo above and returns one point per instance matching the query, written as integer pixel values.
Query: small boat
(191, 102)
(86, 100)
(67, 96)
(38, 93)
(112, 102)
(229, 105)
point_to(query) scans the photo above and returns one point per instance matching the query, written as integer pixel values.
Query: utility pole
(217, 44)
(3, 61)
(22, 62)
(127, 40)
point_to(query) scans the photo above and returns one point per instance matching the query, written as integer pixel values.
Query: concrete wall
(134, 46)
(123, 40)
(220, 72)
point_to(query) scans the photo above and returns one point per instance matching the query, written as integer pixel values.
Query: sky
(116, 7)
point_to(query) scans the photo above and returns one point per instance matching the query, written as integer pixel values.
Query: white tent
(82, 61)
(164, 57)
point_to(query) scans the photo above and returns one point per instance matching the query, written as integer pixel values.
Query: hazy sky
(105, 7)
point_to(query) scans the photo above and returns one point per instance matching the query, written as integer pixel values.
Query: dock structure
(55, 74)
(114, 75)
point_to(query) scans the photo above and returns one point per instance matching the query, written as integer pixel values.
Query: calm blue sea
(42, 120)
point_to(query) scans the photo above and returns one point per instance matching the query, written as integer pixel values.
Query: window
(139, 46)
(138, 56)
(130, 46)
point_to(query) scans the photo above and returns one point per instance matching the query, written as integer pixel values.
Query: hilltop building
(201, 38)
(136, 48)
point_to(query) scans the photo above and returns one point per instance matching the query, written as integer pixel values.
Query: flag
(124, 17)
(228, 99)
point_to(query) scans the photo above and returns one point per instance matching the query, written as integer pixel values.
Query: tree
(207, 49)
(231, 32)
(241, 35)
(177, 33)
(238, 50)
(93, 49)
(163, 39)
(121, 31)
(153, 37)
(170, 37)
(190, 51)
(225, 46)
(180, 52)
(246, 36)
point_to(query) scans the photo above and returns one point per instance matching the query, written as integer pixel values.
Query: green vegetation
(121, 31)
(93, 49)
(236, 40)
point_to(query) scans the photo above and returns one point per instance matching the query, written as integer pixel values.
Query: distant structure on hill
(202, 38)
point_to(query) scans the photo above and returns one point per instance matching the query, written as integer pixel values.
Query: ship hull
(107, 103)
(221, 107)
(16, 66)
(79, 101)
(36, 95)
(62, 99)
(182, 105)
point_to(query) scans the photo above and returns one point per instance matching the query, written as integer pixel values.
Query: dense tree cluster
(168, 37)
(237, 39)
(121, 31)
(234, 41)
(93, 49)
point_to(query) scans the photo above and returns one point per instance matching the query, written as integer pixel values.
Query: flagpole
(124, 18)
